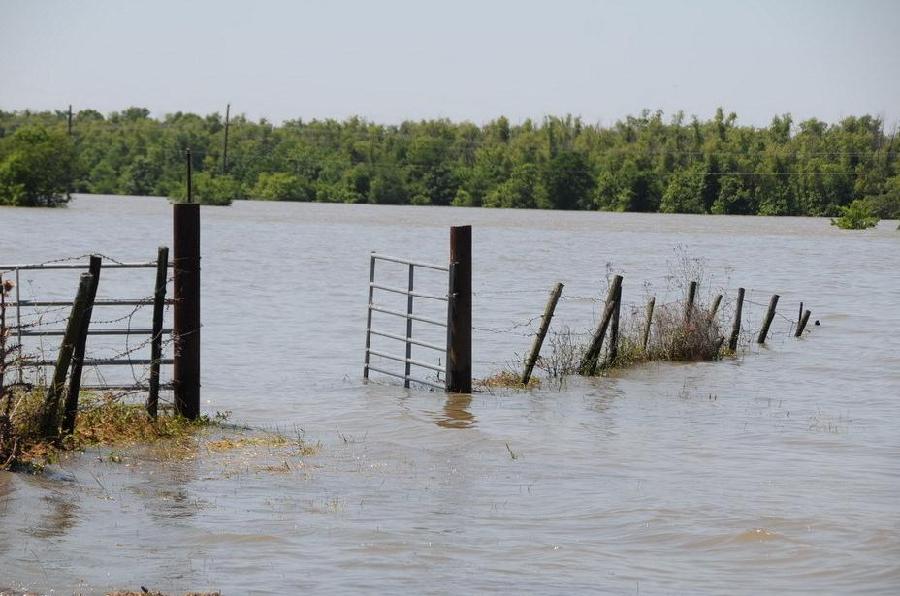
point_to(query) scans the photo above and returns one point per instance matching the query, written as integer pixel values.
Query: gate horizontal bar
(407, 377)
(78, 266)
(407, 292)
(94, 332)
(111, 302)
(408, 262)
(404, 359)
(135, 388)
(407, 316)
(99, 362)
(411, 340)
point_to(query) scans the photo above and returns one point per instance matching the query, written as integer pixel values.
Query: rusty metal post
(159, 305)
(459, 312)
(70, 411)
(186, 328)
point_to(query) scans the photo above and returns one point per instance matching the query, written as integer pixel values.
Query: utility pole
(70, 120)
(225, 150)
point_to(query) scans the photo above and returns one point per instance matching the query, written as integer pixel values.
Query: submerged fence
(457, 350)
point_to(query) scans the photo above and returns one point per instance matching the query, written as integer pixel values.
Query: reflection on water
(456, 413)
(773, 473)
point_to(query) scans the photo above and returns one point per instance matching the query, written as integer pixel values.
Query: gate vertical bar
(159, 303)
(409, 311)
(21, 374)
(369, 315)
(186, 246)
(459, 312)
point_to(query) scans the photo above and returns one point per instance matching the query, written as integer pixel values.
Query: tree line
(646, 163)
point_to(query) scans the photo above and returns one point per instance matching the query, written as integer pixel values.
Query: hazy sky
(394, 60)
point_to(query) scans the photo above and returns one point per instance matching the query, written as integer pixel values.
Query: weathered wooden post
(802, 325)
(614, 330)
(159, 305)
(715, 307)
(50, 413)
(589, 362)
(689, 304)
(459, 312)
(770, 314)
(542, 333)
(186, 328)
(70, 410)
(736, 326)
(646, 336)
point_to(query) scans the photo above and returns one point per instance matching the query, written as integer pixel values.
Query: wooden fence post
(50, 413)
(186, 328)
(542, 333)
(736, 326)
(689, 304)
(715, 307)
(614, 330)
(646, 336)
(589, 362)
(459, 312)
(70, 410)
(159, 305)
(802, 325)
(770, 314)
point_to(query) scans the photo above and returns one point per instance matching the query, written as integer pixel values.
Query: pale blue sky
(393, 60)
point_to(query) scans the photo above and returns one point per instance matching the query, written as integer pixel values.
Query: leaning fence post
(186, 328)
(50, 414)
(614, 330)
(646, 336)
(70, 410)
(589, 361)
(459, 312)
(802, 325)
(736, 326)
(770, 314)
(715, 307)
(542, 333)
(689, 304)
(159, 305)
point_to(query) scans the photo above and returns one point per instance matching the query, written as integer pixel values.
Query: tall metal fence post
(459, 312)
(159, 305)
(70, 411)
(186, 328)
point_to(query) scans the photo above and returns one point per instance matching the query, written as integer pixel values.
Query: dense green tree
(37, 167)
(640, 163)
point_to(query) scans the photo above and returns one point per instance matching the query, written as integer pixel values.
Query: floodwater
(776, 472)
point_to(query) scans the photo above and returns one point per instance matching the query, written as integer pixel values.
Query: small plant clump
(507, 379)
(858, 215)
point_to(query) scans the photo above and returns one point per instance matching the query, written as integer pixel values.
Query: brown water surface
(775, 472)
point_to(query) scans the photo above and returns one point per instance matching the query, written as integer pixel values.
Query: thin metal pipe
(94, 332)
(409, 327)
(47, 266)
(408, 293)
(369, 315)
(407, 360)
(408, 262)
(413, 379)
(108, 302)
(411, 340)
(101, 362)
(404, 315)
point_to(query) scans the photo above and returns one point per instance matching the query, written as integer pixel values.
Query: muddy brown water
(775, 472)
